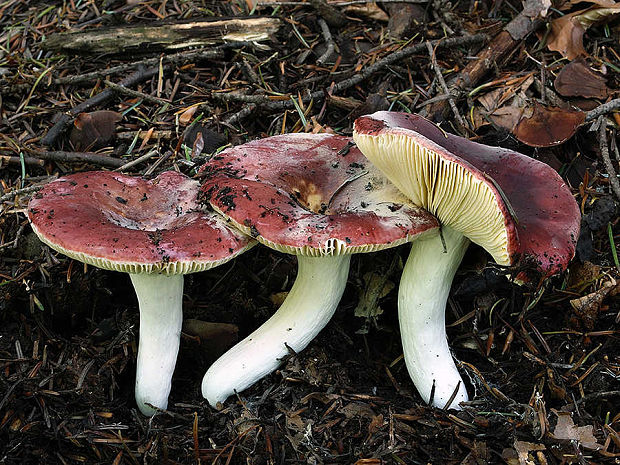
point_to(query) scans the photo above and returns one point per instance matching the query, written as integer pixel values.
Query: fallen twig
(66, 119)
(329, 42)
(235, 118)
(526, 22)
(598, 395)
(444, 86)
(83, 157)
(276, 105)
(15, 160)
(24, 190)
(14, 242)
(134, 93)
(609, 167)
(160, 36)
(174, 59)
(603, 109)
(138, 160)
(159, 161)
(329, 13)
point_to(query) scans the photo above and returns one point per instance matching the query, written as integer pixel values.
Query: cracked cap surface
(310, 194)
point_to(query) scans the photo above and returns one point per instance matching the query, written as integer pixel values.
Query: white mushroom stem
(160, 298)
(309, 306)
(423, 293)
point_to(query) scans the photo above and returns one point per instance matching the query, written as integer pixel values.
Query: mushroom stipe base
(309, 306)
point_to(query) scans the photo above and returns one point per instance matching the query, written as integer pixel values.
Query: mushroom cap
(310, 194)
(515, 207)
(132, 224)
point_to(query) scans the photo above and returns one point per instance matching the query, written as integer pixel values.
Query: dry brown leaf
(577, 79)
(478, 118)
(601, 3)
(523, 450)
(507, 117)
(199, 145)
(94, 130)
(566, 35)
(588, 306)
(542, 126)
(565, 429)
(146, 138)
(215, 338)
(367, 11)
(582, 273)
(278, 298)
(357, 409)
(376, 287)
(375, 424)
(295, 422)
(597, 15)
(493, 100)
(321, 397)
(187, 115)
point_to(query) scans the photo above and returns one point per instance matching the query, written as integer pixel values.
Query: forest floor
(542, 363)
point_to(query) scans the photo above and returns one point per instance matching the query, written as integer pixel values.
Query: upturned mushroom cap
(131, 224)
(310, 194)
(515, 207)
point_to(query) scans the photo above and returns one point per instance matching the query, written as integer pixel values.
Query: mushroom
(517, 208)
(153, 230)
(313, 196)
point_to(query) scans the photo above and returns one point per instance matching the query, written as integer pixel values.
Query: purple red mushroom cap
(299, 192)
(132, 224)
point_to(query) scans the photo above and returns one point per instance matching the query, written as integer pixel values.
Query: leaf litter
(542, 364)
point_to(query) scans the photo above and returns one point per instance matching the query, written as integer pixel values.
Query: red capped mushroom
(152, 229)
(515, 207)
(315, 196)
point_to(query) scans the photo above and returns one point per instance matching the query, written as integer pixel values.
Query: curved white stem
(307, 309)
(160, 298)
(423, 293)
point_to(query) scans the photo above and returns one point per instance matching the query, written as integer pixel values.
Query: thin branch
(245, 111)
(611, 172)
(598, 395)
(174, 59)
(137, 161)
(25, 190)
(444, 86)
(134, 93)
(329, 41)
(66, 119)
(500, 47)
(15, 160)
(603, 109)
(14, 242)
(271, 105)
(159, 161)
(80, 157)
(332, 15)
